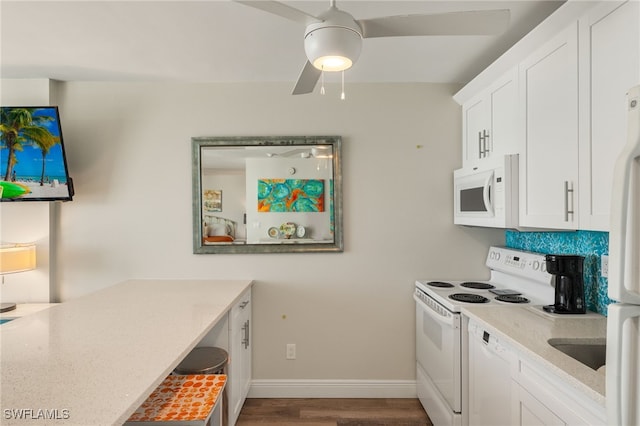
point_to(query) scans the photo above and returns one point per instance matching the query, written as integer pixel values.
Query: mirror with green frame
(267, 194)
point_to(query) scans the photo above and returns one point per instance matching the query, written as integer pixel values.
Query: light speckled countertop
(95, 359)
(529, 329)
(23, 309)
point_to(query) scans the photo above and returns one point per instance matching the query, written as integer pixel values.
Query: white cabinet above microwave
(489, 121)
(487, 194)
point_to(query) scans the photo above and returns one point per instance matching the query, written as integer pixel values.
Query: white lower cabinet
(239, 355)
(507, 387)
(541, 398)
(527, 410)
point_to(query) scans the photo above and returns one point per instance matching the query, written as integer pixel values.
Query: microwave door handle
(486, 194)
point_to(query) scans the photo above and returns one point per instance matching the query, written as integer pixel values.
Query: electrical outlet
(604, 266)
(291, 351)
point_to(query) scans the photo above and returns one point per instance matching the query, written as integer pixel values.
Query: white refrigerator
(623, 324)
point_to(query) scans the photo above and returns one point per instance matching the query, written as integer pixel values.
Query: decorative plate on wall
(288, 229)
(274, 232)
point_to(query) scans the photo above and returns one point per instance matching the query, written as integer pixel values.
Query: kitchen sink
(590, 352)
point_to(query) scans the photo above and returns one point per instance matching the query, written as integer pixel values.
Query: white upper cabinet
(489, 121)
(549, 142)
(568, 98)
(609, 66)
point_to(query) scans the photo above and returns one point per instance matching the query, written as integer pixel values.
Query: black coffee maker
(569, 284)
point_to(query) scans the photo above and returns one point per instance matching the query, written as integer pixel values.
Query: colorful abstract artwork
(290, 195)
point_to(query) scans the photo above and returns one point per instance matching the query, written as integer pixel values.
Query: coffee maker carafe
(569, 284)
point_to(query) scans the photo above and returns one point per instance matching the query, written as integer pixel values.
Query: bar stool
(204, 360)
(183, 400)
(207, 360)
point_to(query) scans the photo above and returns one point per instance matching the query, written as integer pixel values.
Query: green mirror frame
(258, 163)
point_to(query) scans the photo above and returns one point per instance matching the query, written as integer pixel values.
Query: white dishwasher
(490, 364)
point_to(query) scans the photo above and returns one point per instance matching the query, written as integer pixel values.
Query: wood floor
(333, 412)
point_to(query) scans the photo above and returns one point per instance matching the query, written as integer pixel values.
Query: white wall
(350, 314)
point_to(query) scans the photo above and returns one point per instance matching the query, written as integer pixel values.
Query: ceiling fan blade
(282, 10)
(481, 22)
(307, 80)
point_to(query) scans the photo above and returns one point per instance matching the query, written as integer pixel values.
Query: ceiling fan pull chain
(322, 81)
(342, 94)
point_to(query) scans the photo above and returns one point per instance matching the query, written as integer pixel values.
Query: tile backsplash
(590, 244)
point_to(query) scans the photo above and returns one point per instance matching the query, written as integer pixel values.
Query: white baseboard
(332, 389)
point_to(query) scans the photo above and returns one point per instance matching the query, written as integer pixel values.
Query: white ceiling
(223, 41)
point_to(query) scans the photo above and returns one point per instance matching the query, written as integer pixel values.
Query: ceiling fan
(333, 39)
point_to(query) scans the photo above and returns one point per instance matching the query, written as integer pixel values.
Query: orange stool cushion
(181, 398)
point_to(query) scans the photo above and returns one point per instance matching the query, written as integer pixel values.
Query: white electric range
(516, 277)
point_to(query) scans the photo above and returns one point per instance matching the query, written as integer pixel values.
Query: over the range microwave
(487, 194)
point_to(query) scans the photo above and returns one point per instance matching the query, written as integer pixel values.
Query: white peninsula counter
(95, 359)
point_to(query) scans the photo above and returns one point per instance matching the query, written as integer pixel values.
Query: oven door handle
(449, 321)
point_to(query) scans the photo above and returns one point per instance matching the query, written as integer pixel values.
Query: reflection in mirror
(267, 194)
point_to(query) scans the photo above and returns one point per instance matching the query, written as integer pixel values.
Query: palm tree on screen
(18, 126)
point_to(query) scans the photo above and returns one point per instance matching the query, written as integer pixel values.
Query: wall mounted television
(33, 164)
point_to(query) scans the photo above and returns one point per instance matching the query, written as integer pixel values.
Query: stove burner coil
(440, 284)
(477, 286)
(468, 297)
(512, 299)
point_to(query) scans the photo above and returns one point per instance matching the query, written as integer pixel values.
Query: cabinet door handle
(245, 338)
(485, 141)
(568, 190)
(483, 145)
(244, 304)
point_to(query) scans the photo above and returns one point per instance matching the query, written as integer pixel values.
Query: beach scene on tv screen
(32, 164)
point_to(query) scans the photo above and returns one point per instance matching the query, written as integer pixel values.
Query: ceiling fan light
(332, 63)
(333, 48)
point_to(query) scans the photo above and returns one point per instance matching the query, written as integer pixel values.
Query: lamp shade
(333, 48)
(17, 257)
